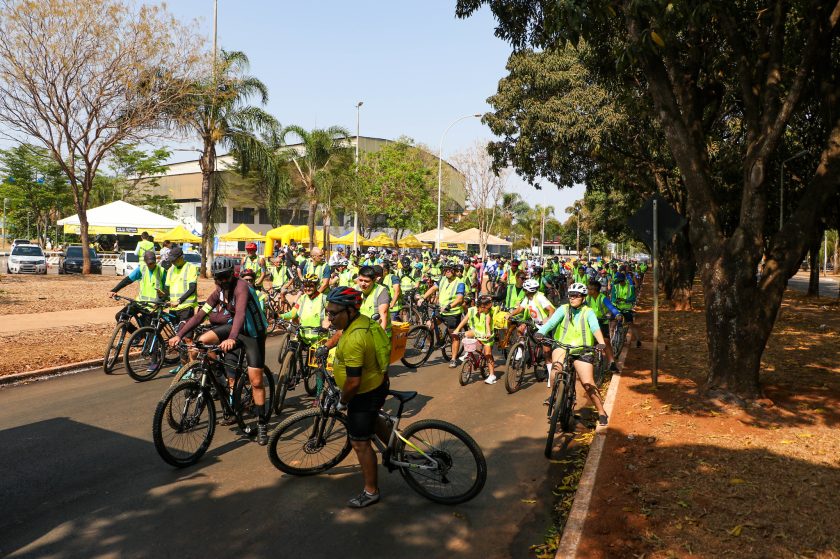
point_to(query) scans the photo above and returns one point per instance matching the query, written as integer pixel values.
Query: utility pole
(589, 247)
(542, 233)
(577, 244)
(356, 213)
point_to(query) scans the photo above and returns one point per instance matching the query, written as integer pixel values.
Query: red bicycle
(474, 360)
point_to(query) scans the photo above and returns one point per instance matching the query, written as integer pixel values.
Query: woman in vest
(576, 325)
(479, 321)
(309, 309)
(605, 311)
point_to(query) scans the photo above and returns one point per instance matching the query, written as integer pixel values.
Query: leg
(488, 353)
(586, 376)
(367, 460)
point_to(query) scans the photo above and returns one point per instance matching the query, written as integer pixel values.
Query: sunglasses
(333, 314)
(575, 296)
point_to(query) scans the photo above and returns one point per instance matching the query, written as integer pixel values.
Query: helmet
(435, 259)
(248, 274)
(251, 246)
(342, 262)
(620, 277)
(418, 265)
(447, 266)
(538, 269)
(531, 285)
(311, 279)
(459, 267)
(222, 265)
(345, 296)
(514, 262)
(484, 299)
(406, 262)
(578, 288)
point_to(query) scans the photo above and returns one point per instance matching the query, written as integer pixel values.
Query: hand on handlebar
(227, 345)
(174, 341)
(112, 294)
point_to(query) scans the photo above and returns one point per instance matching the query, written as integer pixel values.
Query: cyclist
(249, 276)
(451, 296)
(316, 265)
(144, 244)
(537, 305)
(479, 319)
(516, 292)
(623, 297)
(363, 380)
(251, 261)
(377, 298)
(604, 309)
(152, 279)
(576, 325)
(245, 327)
(392, 282)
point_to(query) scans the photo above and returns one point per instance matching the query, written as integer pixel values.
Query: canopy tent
(472, 237)
(277, 234)
(411, 242)
(431, 235)
(347, 239)
(178, 235)
(381, 240)
(120, 218)
(300, 234)
(242, 233)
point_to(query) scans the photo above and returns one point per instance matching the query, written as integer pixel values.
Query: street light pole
(355, 212)
(440, 173)
(782, 186)
(5, 201)
(542, 233)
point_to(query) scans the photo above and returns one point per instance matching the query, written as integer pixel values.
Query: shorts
(605, 329)
(254, 347)
(363, 410)
(451, 320)
(183, 315)
(628, 316)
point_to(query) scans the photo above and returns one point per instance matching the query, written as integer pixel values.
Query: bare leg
(367, 460)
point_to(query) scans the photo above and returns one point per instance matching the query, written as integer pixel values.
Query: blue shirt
(324, 275)
(558, 317)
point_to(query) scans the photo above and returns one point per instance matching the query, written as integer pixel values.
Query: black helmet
(175, 253)
(222, 265)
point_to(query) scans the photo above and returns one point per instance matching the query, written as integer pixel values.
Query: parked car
(193, 257)
(17, 242)
(26, 258)
(126, 263)
(71, 261)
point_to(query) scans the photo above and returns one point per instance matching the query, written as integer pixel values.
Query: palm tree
(513, 209)
(323, 153)
(219, 113)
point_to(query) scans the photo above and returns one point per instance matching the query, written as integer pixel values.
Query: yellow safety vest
(574, 331)
(448, 293)
(311, 311)
(369, 305)
(179, 281)
(143, 247)
(150, 282)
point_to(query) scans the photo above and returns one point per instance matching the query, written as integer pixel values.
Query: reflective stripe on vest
(369, 305)
(623, 292)
(478, 323)
(448, 293)
(597, 305)
(143, 247)
(253, 264)
(179, 283)
(311, 311)
(150, 282)
(578, 334)
(345, 278)
(278, 275)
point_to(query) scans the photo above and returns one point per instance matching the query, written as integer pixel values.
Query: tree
(217, 111)
(736, 86)
(323, 153)
(36, 188)
(81, 76)
(485, 188)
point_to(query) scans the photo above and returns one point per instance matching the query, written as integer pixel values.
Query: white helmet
(531, 285)
(578, 288)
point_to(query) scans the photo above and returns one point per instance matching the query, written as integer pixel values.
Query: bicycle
(294, 368)
(130, 318)
(561, 402)
(423, 339)
(523, 354)
(146, 350)
(438, 460)
(619, 337)
(474, 360)
(188, 411)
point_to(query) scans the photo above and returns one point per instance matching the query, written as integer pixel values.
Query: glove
(322, 351)
(446, 308)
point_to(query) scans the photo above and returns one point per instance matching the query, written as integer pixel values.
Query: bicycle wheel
(190, 371)
(418, 346)
(515, 367)
(284, 378)
(460, 471)
(310, 381)
(247, 411)
(171, 355)
(600, 370)
(115, 345)
(556, 411)
(467, 370)
(446, 347)
(567, 404)
(184, 424)
(309, 442)
(144, 352)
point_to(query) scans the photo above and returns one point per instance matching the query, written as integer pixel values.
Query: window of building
(243, 215)
(198, 214)
(264, 217)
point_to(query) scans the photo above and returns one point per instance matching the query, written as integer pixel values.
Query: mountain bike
(438, 460)
(295, 361)
(525, 353)
(272, 311)
(474, 360)
(146, 350)
(561, 402)
(129, 319)
(185, 418)
(423, 339)
(411, 312)
(619, 337)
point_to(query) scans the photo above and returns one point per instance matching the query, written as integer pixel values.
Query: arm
(190, 292)
(135, 275)
(198, 317)
(610, 307)
(382, 305)
(551, 324)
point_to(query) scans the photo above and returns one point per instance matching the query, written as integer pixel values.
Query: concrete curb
(577, 516)
(50, 371)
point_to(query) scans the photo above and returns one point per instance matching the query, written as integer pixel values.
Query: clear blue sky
(415, 66)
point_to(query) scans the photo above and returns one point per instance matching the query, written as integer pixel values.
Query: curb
(49, 371)
(577, 516)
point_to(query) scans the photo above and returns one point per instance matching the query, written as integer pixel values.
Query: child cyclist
(479, 320)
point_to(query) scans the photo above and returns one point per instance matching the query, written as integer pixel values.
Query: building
(245, 205)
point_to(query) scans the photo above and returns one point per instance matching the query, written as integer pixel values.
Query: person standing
(164, 255)
(144, 245)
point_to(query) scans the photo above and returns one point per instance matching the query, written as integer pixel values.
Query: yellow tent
(348, 239)
(277, 234)
(412, 242)
(300, 235)
(178, 234)
(242, 233)
(381, 240)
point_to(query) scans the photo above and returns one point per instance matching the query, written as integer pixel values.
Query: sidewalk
(14, 323)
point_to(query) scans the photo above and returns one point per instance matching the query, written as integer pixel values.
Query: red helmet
(345, 296)
(251, 246)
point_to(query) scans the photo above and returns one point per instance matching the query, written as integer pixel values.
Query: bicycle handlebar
(584, 348)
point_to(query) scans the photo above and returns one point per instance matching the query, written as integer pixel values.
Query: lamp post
(440, 173)
(5, 226)
(356, 213)
(782, 186)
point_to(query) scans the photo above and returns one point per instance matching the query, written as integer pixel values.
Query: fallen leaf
(804, 435)
(736, 481)
(786, 442)
(736, 531)
(683, 504)
(529, 501)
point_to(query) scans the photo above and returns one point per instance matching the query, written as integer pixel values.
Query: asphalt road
(79, 477)
(828, 284)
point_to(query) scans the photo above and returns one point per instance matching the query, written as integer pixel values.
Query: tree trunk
(83, 233)
(208, 165)
(837, 253)
(310, 220)
(326, 229)
(678, 269)
(814, 270)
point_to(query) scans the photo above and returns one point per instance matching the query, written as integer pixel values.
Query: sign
(669, 222)
(129, 230)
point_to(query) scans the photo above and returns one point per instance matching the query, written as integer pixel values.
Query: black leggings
(254, 347)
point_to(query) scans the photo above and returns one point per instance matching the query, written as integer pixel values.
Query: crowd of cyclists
(348, 304)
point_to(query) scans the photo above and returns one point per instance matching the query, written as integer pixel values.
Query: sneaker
(453, 363)
(151, 368)
(262, 434)
(490, 380)
(363, 499)
(603, 419)
(175, 370)
(547, 401)
(638, 343)
(227, 420)
(613, 367)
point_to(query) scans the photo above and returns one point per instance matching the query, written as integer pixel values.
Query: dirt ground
(51, 347)
(687, 476)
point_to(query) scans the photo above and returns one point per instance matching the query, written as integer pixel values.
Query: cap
(175, 253)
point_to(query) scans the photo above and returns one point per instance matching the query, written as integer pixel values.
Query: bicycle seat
(402, 396)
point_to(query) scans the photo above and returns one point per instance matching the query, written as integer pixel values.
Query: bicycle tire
(467, 371)
(553, 418)
(296, 432)
(445, 348)
(418, 346)
(244, 407)
(170, 355)
(284, 378)
(415, 477)
(203, 403)
(310, 381)
(187, 372)
(140, 338)
(112, 353)
(515, 367)
(600, 370)
(567, 405)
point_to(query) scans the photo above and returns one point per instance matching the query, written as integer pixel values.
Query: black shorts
(254, 347)
(451, 320)
(586, 358)
(183, 315)
(363, 410)
(628, 316)
(605, 329)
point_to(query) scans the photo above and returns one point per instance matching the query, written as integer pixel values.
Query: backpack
(381, 344)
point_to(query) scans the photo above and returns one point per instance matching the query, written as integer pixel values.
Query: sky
(414, 65)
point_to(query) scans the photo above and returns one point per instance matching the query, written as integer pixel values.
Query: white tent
(471, 237)
(431, 235)
(120, 218)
